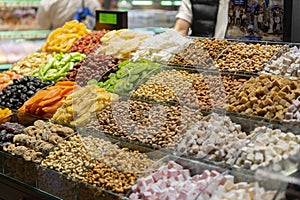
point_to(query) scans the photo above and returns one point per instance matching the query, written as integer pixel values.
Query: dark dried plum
(8, 130)
(16, 94)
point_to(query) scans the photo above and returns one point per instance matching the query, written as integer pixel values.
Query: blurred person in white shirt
(53, 14)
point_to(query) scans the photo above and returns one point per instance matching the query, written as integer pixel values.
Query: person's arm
(43, 16)
(184, 17)
(182, 26)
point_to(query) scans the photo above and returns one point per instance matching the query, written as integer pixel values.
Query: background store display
(256, 19)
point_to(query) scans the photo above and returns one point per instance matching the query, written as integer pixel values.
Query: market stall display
(4, 112)
(172, 181)
(128, 76)
(45, 102)
(226, 187)
(14, 95)
(215, 138)
(58, 66)
(121, 164)
(26, 66)
(167, 85)
(193, 55)
(267, 96)
(115, 93)
(246, 57)
(7, 78)
(160, 48)
(270, 145)
(79, 107)
(122, 43)
(293, 115)
(7, 132)
(288, 64)
(94, 66)
(152, 124)
(88, 43)
(36, 141)
(62, 39)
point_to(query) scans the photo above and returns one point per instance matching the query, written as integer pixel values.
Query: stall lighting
(177, 3)
(166, 3)
(142, 3)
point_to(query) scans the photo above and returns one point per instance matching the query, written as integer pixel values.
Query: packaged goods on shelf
(12, 51)
(30, 63)
(122, 43)
(18, 18)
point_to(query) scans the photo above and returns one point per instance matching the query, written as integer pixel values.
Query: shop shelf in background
(26, 34)
(13, 50)
(19, 3)
(151, 18)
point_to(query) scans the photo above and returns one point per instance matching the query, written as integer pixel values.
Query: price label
(111, 20)
(108, 18)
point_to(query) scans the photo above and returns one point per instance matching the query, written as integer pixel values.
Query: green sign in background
(108, 18)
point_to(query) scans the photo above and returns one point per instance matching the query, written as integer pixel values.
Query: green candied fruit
(138, 70)
(133, 78)
(92, 82)
(128, 75)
